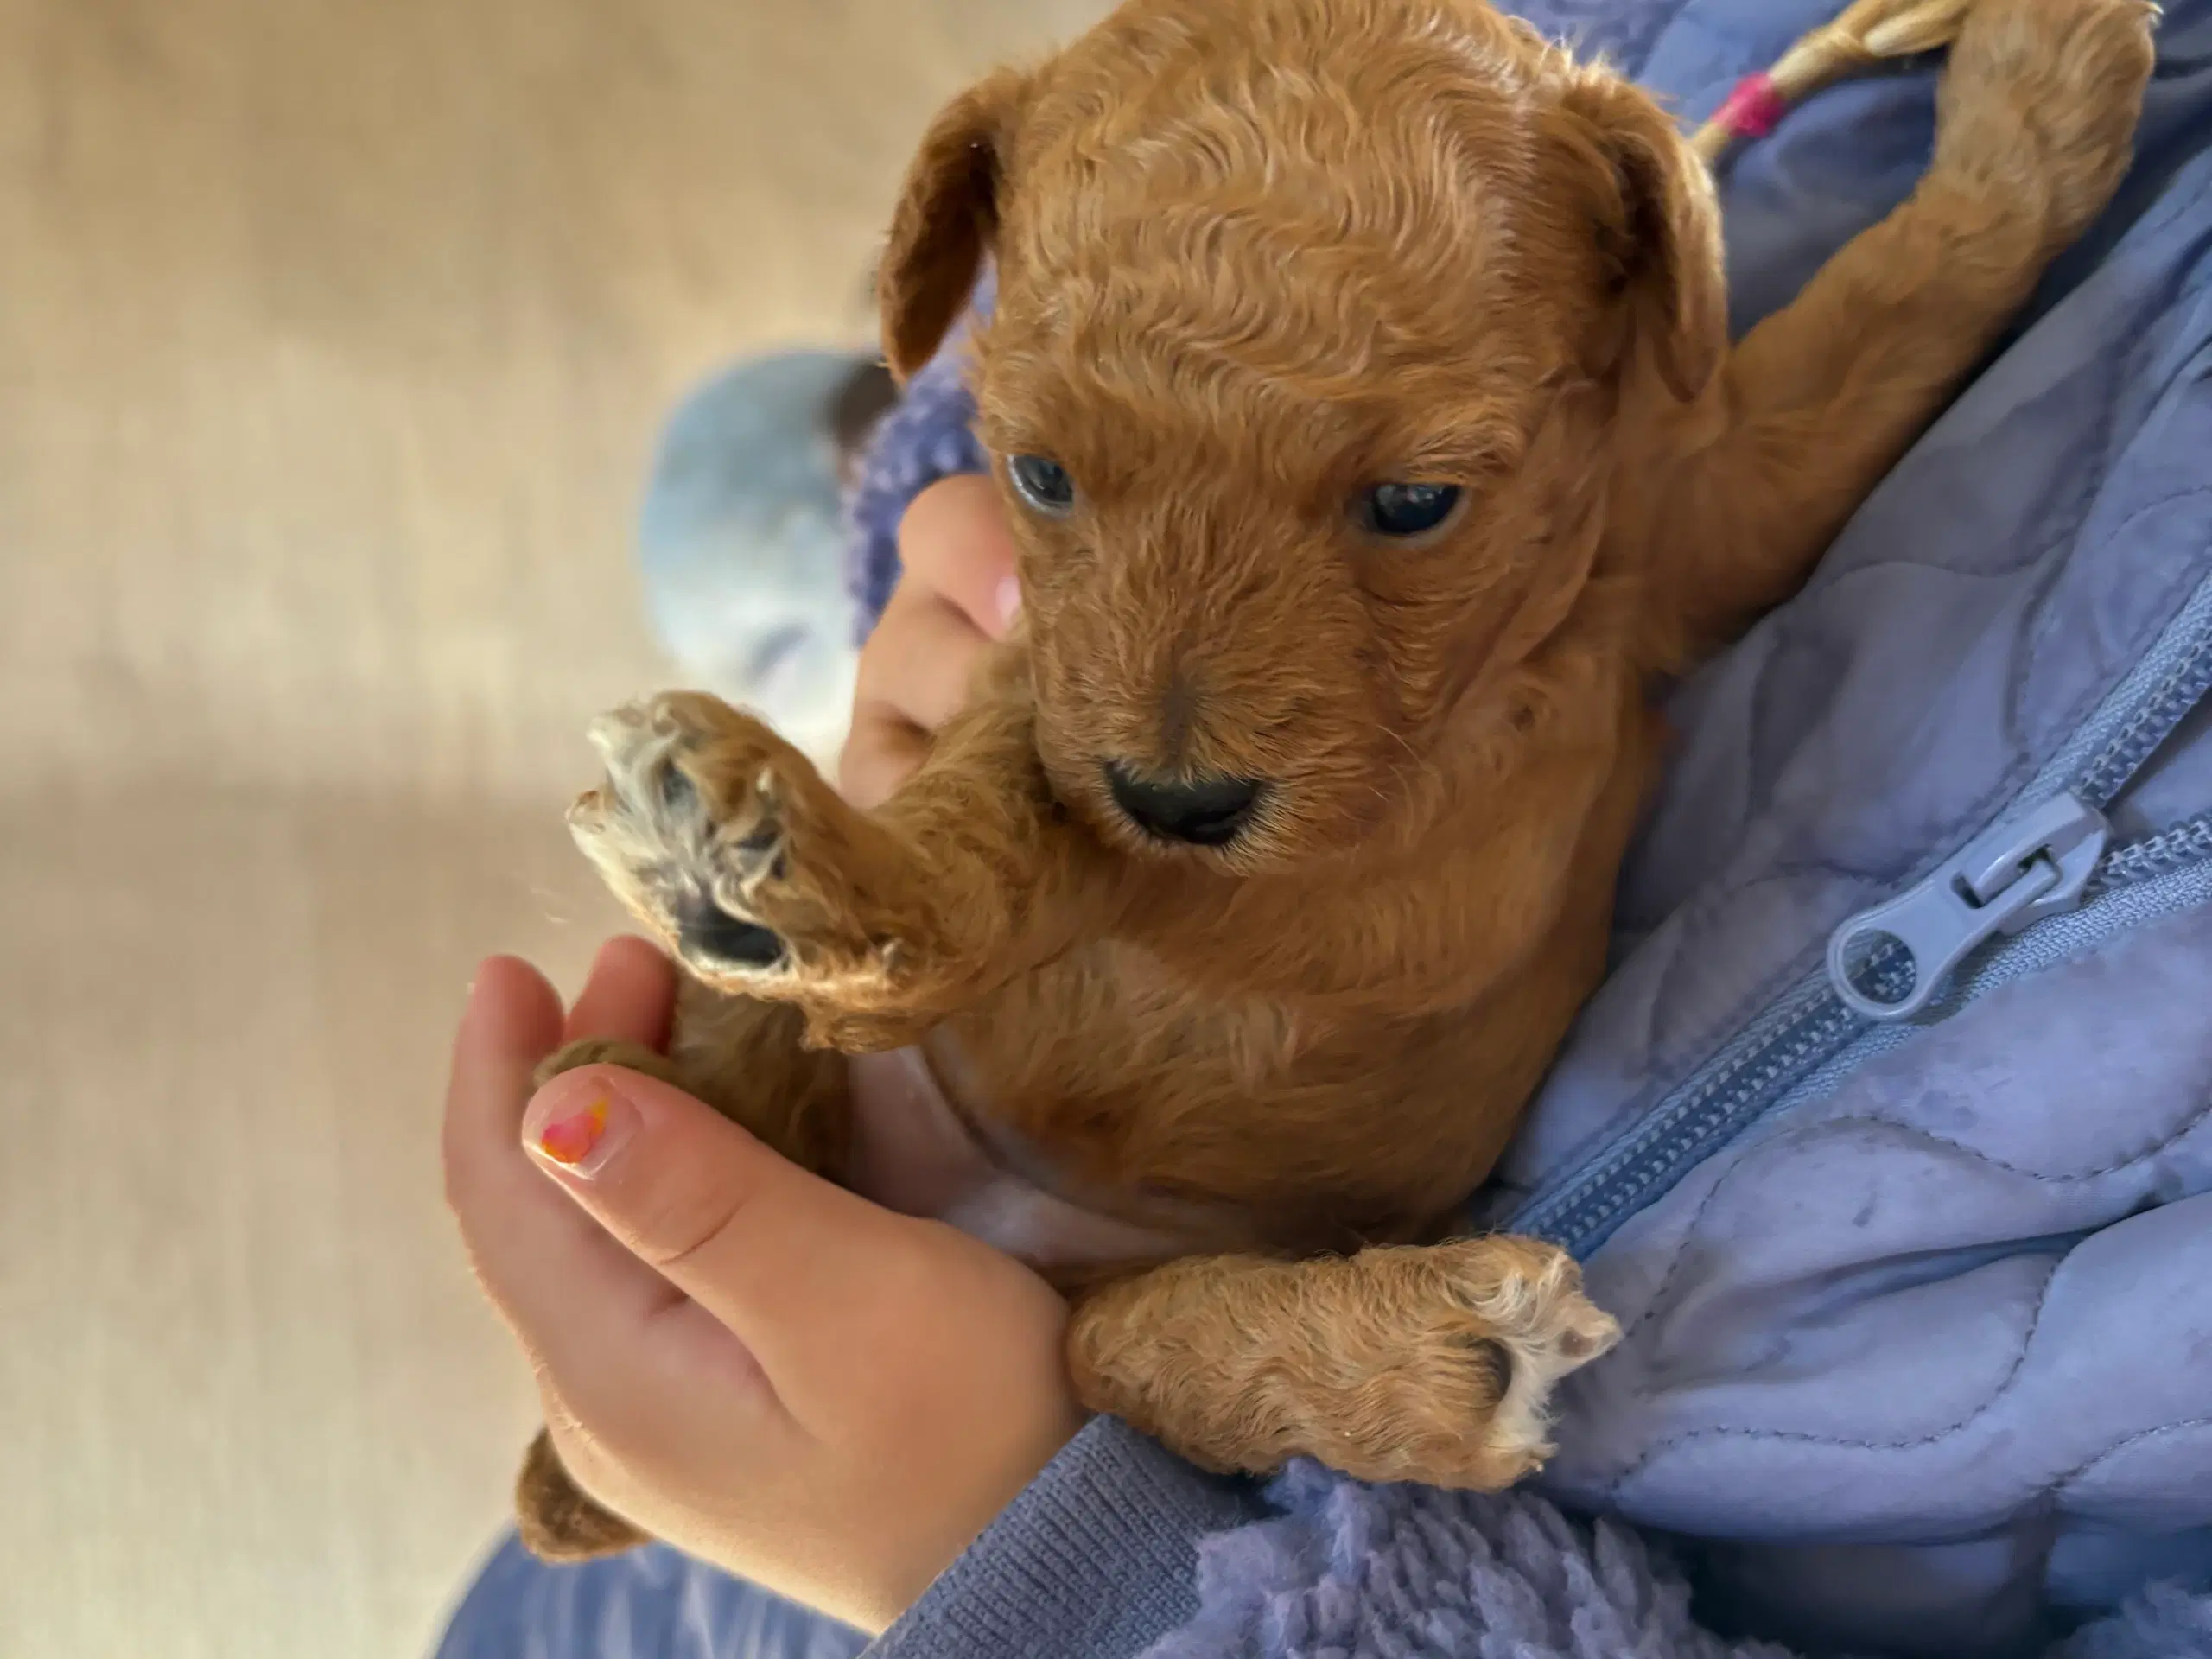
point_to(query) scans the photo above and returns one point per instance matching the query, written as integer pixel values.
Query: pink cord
(1753, 108)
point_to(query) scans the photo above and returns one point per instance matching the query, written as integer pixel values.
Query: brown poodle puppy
(1360, 387)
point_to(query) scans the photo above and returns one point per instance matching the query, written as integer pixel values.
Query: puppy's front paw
(689, 826)
(723, 838)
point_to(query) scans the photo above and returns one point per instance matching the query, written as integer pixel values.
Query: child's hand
(957, 592)
(764, 1370)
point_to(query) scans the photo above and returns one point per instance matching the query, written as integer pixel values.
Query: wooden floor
(332, 336)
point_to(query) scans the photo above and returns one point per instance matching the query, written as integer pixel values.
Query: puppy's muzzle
(1205, 812)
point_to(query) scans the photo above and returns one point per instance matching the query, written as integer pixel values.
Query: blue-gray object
(742, 542)
(650, 1604)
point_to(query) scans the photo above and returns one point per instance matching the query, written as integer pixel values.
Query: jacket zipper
(1998, 903)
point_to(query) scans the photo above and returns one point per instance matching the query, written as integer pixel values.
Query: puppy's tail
(1860, 36)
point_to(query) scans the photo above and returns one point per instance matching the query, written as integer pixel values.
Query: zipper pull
(1888, 963)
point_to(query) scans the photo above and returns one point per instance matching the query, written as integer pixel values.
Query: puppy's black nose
(1210, 811)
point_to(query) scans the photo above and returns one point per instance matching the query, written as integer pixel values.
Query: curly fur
(1253, 257)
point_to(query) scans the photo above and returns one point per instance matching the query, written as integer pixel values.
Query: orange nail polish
(570, 1140)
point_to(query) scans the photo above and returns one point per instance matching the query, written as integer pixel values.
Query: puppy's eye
(1403, 510)
(1043, 483)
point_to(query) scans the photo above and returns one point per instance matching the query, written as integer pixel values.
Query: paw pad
(709, 934)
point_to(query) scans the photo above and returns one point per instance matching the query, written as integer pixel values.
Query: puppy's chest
(1089, 1039)
(914, 1151)
(1123, 1083)
(1039, 1125)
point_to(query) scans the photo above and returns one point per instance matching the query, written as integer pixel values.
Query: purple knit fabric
(2165, 1622)
(1349, 1571)
(1355, 1572)
(930, 435)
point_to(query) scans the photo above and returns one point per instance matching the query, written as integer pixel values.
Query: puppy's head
(1312, 325)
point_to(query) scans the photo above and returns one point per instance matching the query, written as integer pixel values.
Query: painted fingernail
(1009, 600)
(580, 1132)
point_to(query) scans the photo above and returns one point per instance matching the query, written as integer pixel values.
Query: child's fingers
(535, 1255)
(791, 1264)
(954, 542)
(915, 673)
(630, 995)
(920, 662)
(957, 591)
(881, 752)
(512, 1021)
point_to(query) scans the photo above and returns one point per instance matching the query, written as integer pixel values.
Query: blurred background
(334, 339)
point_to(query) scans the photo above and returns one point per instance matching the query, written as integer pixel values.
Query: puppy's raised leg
(729, 844)
(1401, 1363)
(2036, 118)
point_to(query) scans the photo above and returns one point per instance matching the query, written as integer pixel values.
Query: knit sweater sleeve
(1120, 1552)
(1336, 1568)
(928, 437)
(1096, 1560)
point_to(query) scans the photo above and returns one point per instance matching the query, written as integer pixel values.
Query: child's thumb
(750, 1237)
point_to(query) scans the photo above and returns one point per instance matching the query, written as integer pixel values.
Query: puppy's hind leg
(2036, 123)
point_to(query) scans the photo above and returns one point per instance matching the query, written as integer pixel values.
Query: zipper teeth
(2186, 685)
(2154, 855)
(1688, 1131)
(1814, 1036)
(1709, 1115)
(1582, 1216)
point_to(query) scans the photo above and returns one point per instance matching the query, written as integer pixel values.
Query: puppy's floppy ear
(946, 220)
(1658, 229)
